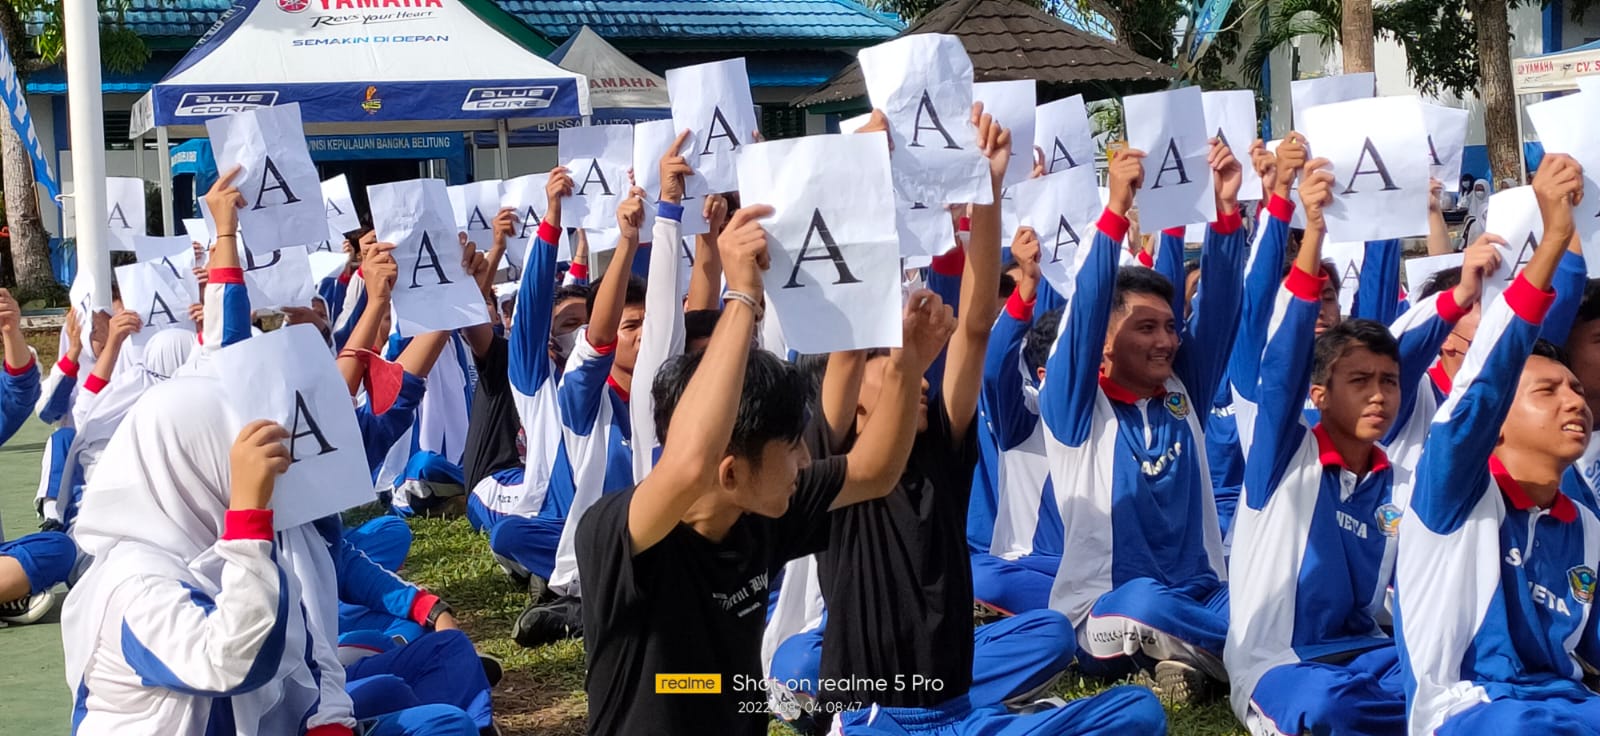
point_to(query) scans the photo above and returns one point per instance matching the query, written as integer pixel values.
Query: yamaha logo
(483, 99)
(209, 104)
(293, 6)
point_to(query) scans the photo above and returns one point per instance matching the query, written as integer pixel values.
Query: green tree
(120, 50)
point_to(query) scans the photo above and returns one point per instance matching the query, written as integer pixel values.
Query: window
(782, 122)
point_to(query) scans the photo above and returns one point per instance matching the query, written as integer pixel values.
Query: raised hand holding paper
(1514, 216)
(923, 83)
(1231, 116)
(1061, 129)
(712, 101)
(1061, 209)
(1170, 127)
(282, 193)
(433, 291)
(288, 376)
(1378, 149)
(1012, 105)
(835, 274)
(1447, 141)
(125, 214)
(1565, 126)
(159, 296)
(598, 158)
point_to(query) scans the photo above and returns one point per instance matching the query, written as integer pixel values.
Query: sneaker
(27, 610)
(548, 624)
(539, 590)
(492, 668)
(1177, 683)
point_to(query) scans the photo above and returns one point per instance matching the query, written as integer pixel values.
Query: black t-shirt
(688, 606)
(494, 431)
(898, 583)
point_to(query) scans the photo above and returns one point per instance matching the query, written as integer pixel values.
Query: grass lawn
(542, 692)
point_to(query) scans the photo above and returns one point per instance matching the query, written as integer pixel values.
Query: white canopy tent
(410, 66)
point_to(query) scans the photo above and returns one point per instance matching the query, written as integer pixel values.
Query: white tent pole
(164, 164)
(138, 148)
(88, 135)
(502, 164)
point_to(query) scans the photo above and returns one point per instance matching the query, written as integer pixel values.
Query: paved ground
(33, 690)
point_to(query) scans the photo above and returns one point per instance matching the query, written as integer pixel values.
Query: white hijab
(161, 512)
(98, 417)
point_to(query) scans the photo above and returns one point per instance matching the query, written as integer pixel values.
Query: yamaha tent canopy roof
(361, 66)
(620, 90)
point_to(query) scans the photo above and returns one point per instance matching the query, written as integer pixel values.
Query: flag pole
(88, 137)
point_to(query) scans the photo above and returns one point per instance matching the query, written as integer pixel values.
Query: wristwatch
(439, 608)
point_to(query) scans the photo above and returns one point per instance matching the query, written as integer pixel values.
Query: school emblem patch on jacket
(1178, 404)
(1582, 580)
(1389, 516)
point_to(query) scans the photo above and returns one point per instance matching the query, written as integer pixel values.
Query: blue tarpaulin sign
(11, 96)
(1206, 25)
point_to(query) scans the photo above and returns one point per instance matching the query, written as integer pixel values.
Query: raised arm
(19, 386)
(661, 335)
(980, 281)
(1066, 401)
(1378, 286)
(529, 338)
(879, 456)
(1454, 465)
(1570, 279)
(702, 425)
(1004, 380)
(378, 274)
(123, 326)
(613, 289)
(227, 301)
(1438, 231)
(1263, 276)
(705, 281)
(1202, 361)
(55, 398)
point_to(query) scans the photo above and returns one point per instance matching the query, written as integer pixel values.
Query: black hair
(773, 403)
(1007, 285)
(634, 298)
(1139, 280)
(1546, 349)
(572, 291)
(1338, 341)
(1190, 266)
(1331, 270)
(698, 324)
(1041, 337)
(1589, 308)
(1443, 280)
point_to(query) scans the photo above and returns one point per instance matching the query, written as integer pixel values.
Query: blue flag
(11, 97)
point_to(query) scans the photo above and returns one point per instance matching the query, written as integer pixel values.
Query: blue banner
(385, 145)
(1206, 25)
(11, 97)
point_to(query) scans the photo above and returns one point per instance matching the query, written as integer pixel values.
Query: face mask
(564, 342)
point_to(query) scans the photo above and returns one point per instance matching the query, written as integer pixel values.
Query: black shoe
(548, 624)
(539, 592)
(492, 668)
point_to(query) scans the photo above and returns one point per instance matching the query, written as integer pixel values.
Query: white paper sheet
(1170, 127)
(289, 377)
(1061, 129)
(276, 279)
(923, 83)
(834, 281)
(598, 158)
(713, 102)
(1514, 216)
(1447, 140)
(198, 231)
(339, 207)
(1565, 125)
(125, 214)
(1062, 209)
(1419, 270)
(283, 202)
(156, 247)
(1305, 94)
(1231, 116)
(1378, 149)
(1347, 260)
(1012, 103)
(475, 205)
(432, 291)
(159, 296)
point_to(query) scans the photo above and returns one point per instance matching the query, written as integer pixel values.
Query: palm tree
(1319, 20)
